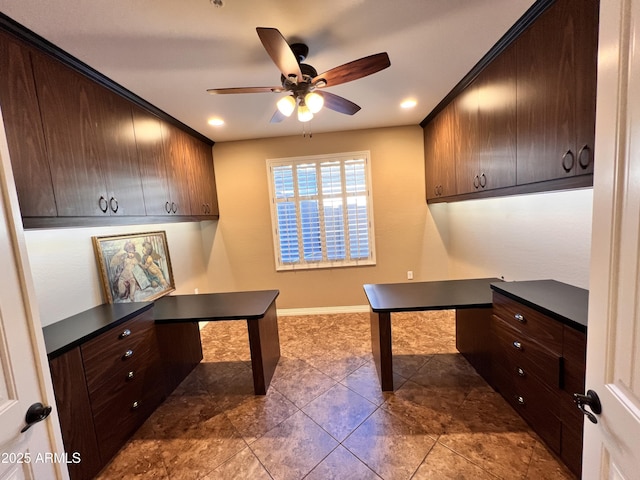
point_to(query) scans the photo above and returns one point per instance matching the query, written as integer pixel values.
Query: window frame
(303, 264)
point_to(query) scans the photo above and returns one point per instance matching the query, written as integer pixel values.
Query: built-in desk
(474, 297)
(258, 308)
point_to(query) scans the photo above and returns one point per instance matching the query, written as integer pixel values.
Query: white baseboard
(288, 312)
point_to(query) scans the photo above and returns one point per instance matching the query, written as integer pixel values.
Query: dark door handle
(36, 413)
(592, 400)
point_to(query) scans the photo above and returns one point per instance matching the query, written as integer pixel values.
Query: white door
(612, 446)
(24, 378)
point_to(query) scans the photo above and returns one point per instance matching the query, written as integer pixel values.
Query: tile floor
(324, 416)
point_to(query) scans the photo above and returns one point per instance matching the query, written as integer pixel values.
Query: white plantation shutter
(321, 211)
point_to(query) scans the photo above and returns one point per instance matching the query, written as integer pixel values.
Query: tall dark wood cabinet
(90, 144)
(202, 182)
(174, 141)
(556, 92)
(23, 127)
(464, 120)
(439, 172)
(496, 135)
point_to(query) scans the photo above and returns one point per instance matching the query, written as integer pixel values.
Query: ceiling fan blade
(277, 117)
(279, 51)
(222, 91)
(355, 69)
(339, 104)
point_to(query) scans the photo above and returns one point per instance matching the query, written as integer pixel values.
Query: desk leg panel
(264, 342)
(180, 349)
(381, 348)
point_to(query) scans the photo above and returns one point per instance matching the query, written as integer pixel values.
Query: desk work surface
(440, 295)
(214, 306)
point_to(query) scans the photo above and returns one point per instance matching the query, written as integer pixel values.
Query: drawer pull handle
(520, 318)
(130, 375)
(519, 370)
(520, 399)
(517, 345)
(135, 405)
(125, 334)
(127, 354)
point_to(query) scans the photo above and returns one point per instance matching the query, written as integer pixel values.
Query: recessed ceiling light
(216, 122)
(408, 103)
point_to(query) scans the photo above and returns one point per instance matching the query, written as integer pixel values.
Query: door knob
(36, 413)
(592, 400)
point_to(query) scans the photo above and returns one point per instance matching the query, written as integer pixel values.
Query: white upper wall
(527, 237)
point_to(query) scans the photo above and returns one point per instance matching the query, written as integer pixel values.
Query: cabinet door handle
(130, 375)
(125, 334)
(483, 180)
(520, 399)
(102, 204)
(567, 161)
(113, 201)
(127, 354)
(167, 207)
(476, 182)
(584, 160)
(520, 372)
(135, 405)
(517, 345)
(520, 318)
(208, 209)
(174, 207)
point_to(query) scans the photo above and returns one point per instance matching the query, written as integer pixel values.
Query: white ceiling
(170, 51)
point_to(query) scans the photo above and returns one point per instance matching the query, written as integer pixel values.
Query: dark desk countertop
(62, 336)
(440, 295)
(214, 306)
(565, 303)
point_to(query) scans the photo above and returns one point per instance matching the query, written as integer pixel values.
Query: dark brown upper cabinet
(496, 134)
(464, 122)
(202, 183)
(174, 142)
(90, 143)
(23, 127)
(556, 91)
(439, 150)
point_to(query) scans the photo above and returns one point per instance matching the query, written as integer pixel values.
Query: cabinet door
(546, 96)
(496, 142)
(151, 158)
(440, 164)
(23, 126)
(174, 141)
(70, 128)
(117, 153)
(586, 67)
(201, 180)
(464, 121)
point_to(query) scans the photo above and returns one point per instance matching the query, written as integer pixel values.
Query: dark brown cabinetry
(538, 363)
(556, 92)
(83, 155)
(439, 172)
(23, 126)
(90, 144)
(526, 121)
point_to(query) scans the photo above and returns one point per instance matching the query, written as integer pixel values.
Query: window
(321, 211)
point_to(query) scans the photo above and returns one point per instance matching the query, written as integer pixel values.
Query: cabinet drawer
(115, 351)
(545, 330)
(534, 402)
(521, 351)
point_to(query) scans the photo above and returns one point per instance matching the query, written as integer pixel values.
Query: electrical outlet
(410, 275)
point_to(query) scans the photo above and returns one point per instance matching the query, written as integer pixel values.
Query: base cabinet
(108, 386)
(539, 364)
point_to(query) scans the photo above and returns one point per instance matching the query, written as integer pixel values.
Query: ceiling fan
(302, 82)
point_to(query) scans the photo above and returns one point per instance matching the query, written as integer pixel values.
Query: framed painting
(135, 267)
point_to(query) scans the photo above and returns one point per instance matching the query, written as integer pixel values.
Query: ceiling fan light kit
(301, 80)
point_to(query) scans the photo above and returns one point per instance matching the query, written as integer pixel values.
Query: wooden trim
(19, 31)
(569, 183)
(507, 39)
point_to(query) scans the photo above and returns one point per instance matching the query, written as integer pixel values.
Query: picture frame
(134, 267)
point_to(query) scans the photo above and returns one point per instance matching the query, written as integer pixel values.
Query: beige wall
(65, 274)
(240, 246)
(523, 237)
